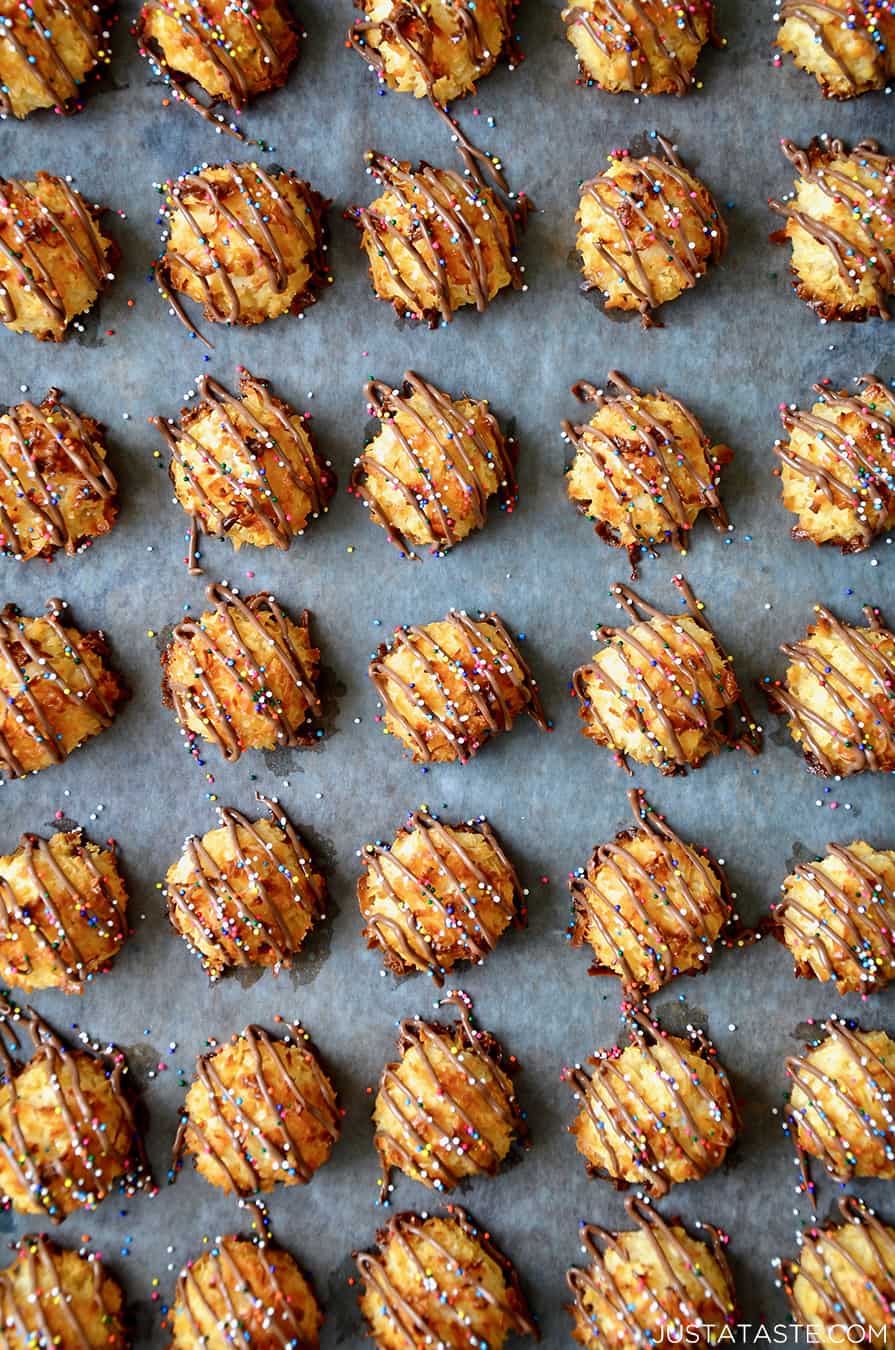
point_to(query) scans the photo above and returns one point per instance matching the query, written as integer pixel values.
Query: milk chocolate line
(628, 40)
(247, 1136)
(490, 665)
(36, 1255)
(228, 907)
(873, 1267)
(409, 1231)
(282, 1321)
(38, 29)
(679, 906)
(812, 14)
(669, 1251)
(657, 439)
(201, 697)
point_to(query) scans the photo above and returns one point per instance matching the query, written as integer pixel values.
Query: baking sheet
(734, 349)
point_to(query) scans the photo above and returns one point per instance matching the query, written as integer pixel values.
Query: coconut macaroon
(53, 1296)
(840, 221)
(844, 1276)
(446, 688)
(647, 230)
(63, 907)
(248, 244)
(447, 1108)
(839, 1108)
(437, 50)
(57, 689)
(247, 893)
(56, 487)
(429, 473)
(68, 1132)
(639, 46)
(50, 49)
(243, 675)
(436, 240)
(260, 1111)
(837, 917)
(848, 47)
(655, 1113)
(437, 1279)
(54, 257)
(838, 465)
(231, 52)
(438, 894)
(839, 695)
(245, 468)
(650, 906)
(650, 1284)
(244, 1290)
(644, 469)
(663, 691)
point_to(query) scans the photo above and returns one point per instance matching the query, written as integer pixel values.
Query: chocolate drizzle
(203, 697)
(602, 1095)
(20, 245)
(57, 82)
(273, 440)
(247, 1306)
(485, 667)
(860, 256)
(267, 924)
(628, 27)
(674, 663)
(819, 18)
(654, 460)
(256, 1128)
(460, 448)
(419, 1249)
(625, 208)
(34, 1298)
(426, 1133)
(864, 728)
(651, 1319)
(28, 467)
(869, 1270)
(672, 899)
(408, 27)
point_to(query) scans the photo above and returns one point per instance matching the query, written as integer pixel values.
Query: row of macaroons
(262, 1112)
(246, 468)
(249, 244)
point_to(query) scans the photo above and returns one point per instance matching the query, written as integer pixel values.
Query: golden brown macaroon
(437, 49)
(847, 45)
(49, 50)
(56, 487)
(439, 1280)
(435, 240)
(644, 469)
(841, 223)
(245, 469)
(663, 691)
(429, 473)
(243, 675)
(259, 1111)
(54, 257)
(844, 1276)
(840, 1104)
(68, 1133)
(647, 230)
(650, 906)
(438, 894)
(650, 1284)
(447, 1109)
(658, 1112)
(63, 912)
(57, 689)
(232, 52)
(247, 893)
(53, 1296)
(241, 1290)
(639, 46)
(448, 687)
(248, 244)
(837, 917)
(839, 695)
(838, 465)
